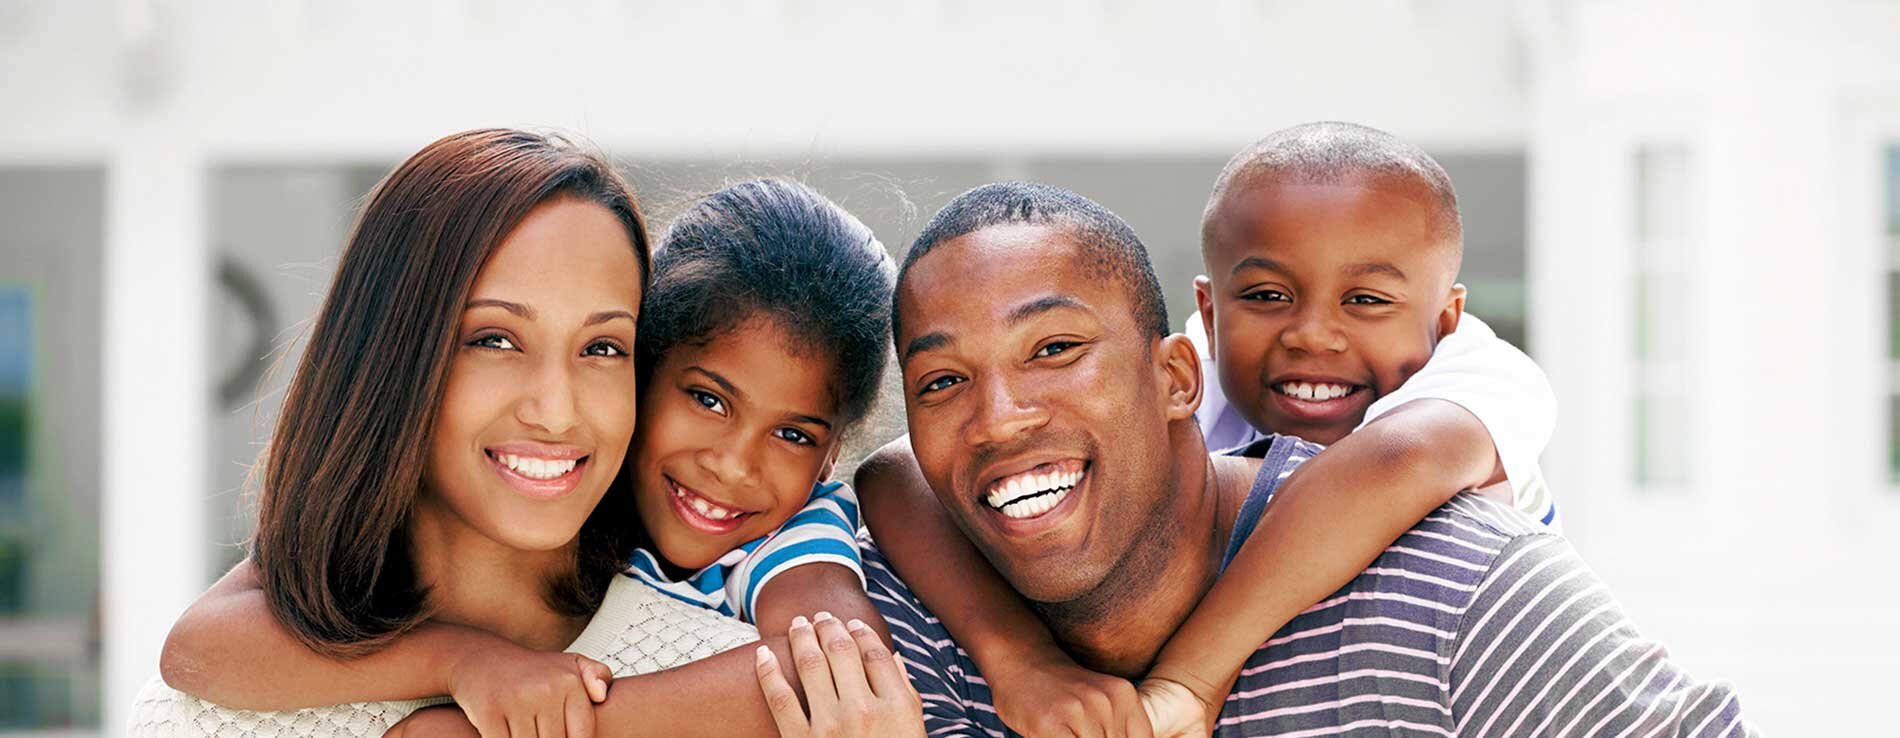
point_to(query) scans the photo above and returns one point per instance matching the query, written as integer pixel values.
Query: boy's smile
(1321, 298)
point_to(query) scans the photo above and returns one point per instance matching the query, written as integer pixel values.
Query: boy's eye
(603, 348)
(941, 383)
(1366, 300)
(1267, 296)
(1053, 348)
(495, 341)
(708, 400)
(795, 436)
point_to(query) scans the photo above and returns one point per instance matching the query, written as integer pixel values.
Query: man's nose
(1004, 411)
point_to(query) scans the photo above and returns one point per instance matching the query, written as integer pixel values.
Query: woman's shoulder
(163, 712)
(639, 629)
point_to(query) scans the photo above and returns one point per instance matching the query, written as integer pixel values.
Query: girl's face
(540, 401)
(733, 434)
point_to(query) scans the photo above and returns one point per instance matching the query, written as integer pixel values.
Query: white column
(157, 278)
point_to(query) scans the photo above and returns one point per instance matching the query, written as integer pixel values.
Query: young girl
(762, 339)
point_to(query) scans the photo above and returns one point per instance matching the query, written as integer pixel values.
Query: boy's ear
(1180, 367)
(1204, 302)
(1454, 309)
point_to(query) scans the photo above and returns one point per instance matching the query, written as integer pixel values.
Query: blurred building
(1688, 213)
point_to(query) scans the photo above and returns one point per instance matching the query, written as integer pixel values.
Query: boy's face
(1319, 299)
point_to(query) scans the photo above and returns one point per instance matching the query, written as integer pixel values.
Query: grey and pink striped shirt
(1477, 622)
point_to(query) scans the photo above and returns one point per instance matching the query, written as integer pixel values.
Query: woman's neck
(477, 582)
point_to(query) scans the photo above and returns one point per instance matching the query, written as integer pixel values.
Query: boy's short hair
(1110, 243)
(1331, 152)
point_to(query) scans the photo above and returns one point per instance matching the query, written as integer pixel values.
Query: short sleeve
(929, 654)
(824, 531)
(1507, 392)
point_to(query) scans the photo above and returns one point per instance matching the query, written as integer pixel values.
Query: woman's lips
(539, 478)
(702, 514)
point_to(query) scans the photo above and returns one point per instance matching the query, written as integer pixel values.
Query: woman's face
(733, 434)
(540, 402)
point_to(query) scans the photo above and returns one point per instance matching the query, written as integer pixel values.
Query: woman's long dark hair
(345, 461)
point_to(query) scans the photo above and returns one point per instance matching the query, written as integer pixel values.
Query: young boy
(1332, 252)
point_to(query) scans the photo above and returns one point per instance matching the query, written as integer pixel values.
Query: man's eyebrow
(1042, 305)
(925, 342)
(1369, 268)
(527, 313)
(724, 384)
(1259, 262)
(606, 315)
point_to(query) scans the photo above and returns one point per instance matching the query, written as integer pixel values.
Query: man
(1035, 357)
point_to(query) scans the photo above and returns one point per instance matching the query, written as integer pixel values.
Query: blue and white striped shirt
(1477, 622)
(825, 530)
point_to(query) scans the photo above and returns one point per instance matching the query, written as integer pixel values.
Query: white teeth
(706, 508)
(1031, 492)
(1314, 392)
(534, 468)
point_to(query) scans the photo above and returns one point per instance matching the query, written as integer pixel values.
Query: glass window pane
(1893, 190)
(1660, 429)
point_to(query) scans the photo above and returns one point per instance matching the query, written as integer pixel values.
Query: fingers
(841, 652)
(779, 697)
(550, 725)
(880, 665)
(520, 727)
(813, 670)
(580, 717)
(595, 676)
(487, 724)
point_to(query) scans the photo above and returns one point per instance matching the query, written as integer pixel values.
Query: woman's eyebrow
(524, 311)
(606, 315)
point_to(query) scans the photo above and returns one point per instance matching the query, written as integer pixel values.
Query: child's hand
(1175, 710)
(1055, 698)
(441, 721)
(512, 692)
(857, 688)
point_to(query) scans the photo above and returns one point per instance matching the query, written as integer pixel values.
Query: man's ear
(1180, 367)
(1204, 302)
(1454, 309)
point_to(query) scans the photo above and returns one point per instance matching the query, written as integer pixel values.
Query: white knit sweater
(636, 631)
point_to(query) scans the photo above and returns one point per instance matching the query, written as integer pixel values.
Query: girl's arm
(228, 648)
(1326, 524)
(1038, 689)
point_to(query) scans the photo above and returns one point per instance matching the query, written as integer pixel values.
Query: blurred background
(1688, 213)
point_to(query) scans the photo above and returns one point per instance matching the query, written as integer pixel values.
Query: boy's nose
(1314, 334)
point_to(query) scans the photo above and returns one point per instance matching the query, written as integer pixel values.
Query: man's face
(1037, 411)
(1319, 299)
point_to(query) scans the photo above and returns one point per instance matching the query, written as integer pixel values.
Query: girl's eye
(940, 383)
(495, 341)
(1366, 300)
(603, 348)
(1267, 296)
(1053, 348)
(795, 436)
(708, 400)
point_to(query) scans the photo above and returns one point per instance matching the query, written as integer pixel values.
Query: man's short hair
(1330, 152)
(1109, 244)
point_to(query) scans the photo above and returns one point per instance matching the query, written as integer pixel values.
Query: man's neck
(1121, 626)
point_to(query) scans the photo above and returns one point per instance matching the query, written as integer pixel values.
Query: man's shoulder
(1441, 561)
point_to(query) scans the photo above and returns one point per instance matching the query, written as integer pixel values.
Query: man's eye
(1051, 349)
(1267, 296)
(795, 436)
(495, 341)
(940, 383)
(708, 400)
(1366, 300)
(603, 348)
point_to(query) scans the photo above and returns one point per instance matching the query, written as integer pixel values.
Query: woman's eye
(795, 436)
(1267, 296)
(708, 400)
(1366, 300)
(1051, 349)
(603, 348)
(493, 341)
(940, 383)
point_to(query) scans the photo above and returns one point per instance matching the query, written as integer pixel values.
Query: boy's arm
(1326, 523)
(1037, 688)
